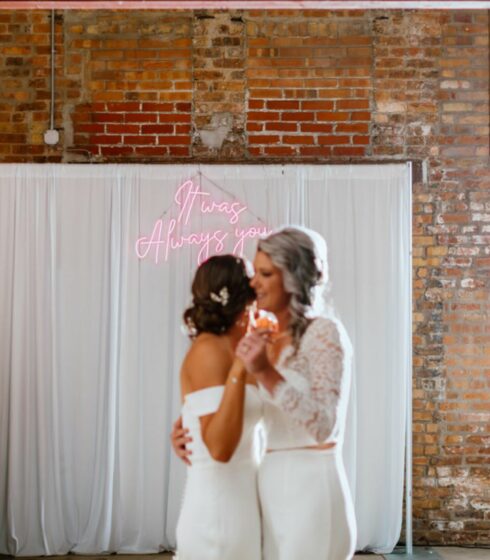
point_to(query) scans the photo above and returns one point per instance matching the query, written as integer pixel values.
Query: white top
(310, 406)
(206, 401)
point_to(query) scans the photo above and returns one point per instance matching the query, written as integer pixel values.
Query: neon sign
(167, 235)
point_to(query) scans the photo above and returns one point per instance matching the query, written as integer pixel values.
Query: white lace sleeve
(313, 379)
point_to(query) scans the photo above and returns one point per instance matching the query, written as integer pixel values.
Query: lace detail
(313, 377)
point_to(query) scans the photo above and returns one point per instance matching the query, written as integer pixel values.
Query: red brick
(298, 116)
(183, 107)
(105, 139)
(266, 139)
(332, 116)
(254, 127)
(156, 107)
(334, 140)
(266, 93)
(315, 151)
(151, 150)
(298, 140)
(361, 140)
(139, 140)
(348, 151)
(178, 151)
(317, 105)
(157, 129)
(140, 118)
(282, 105)
(256, 104)
(182, 128)
(91, 128)
(352, 104)
(118, 128)
(174, 118)
(316, 127)
(351, 127)
(360, 116)
(282, 126)
(263, 116)
(108, 117)
(279, 151)
(121, 107)
(116, 150)
(171, 140)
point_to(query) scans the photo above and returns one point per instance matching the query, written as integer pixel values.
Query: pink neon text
(168, 236)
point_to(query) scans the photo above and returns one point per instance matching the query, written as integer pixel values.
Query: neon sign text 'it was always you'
(167, 235)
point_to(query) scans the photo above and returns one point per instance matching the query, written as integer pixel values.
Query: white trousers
(307, 510)
(220, 518)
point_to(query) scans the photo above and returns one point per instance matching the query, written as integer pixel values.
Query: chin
(264, 307)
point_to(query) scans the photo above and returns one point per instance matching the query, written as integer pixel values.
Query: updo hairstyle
(220, 292)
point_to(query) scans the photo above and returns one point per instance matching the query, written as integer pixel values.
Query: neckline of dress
(280, 357)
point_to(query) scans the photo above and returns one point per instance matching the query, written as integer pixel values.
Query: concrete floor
(454, 553)
(437, 553)
(420, 553)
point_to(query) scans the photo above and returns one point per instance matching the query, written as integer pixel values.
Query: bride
(220, 518)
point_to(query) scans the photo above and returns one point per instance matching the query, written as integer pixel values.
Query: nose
(253, 281)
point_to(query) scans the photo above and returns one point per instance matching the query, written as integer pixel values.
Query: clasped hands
(252, 351)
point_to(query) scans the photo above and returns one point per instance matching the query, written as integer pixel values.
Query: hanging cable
(52, 136)
(53, 54)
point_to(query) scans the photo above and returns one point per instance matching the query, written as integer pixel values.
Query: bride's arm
(207, 366)
(311, 396)
(312, 391)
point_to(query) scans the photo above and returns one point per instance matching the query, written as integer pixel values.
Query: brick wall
(131, 86)
(434, 107)
(306, 86)
(309, 85)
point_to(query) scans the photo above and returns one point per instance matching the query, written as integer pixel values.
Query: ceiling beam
(242, 4)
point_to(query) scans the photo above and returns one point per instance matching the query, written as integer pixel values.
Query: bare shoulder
(207, 363)
(207, 349)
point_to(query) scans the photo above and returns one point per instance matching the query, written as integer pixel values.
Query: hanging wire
(53, 54)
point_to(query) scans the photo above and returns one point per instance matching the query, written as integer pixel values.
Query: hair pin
(222, 298)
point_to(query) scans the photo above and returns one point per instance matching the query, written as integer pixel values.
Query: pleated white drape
(90, 341)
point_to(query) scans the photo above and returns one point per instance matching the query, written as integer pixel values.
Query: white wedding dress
(305, 499)
(220, 517)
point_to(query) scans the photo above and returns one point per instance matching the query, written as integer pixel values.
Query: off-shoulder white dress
(306, 503)
(220, 517)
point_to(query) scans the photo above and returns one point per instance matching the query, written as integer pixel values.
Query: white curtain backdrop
(90, 339)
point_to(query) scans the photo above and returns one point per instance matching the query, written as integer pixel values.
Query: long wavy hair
(220, 292)
(300, 254)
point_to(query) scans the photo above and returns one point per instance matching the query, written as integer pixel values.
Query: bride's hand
(252, 351)
(179, 439)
